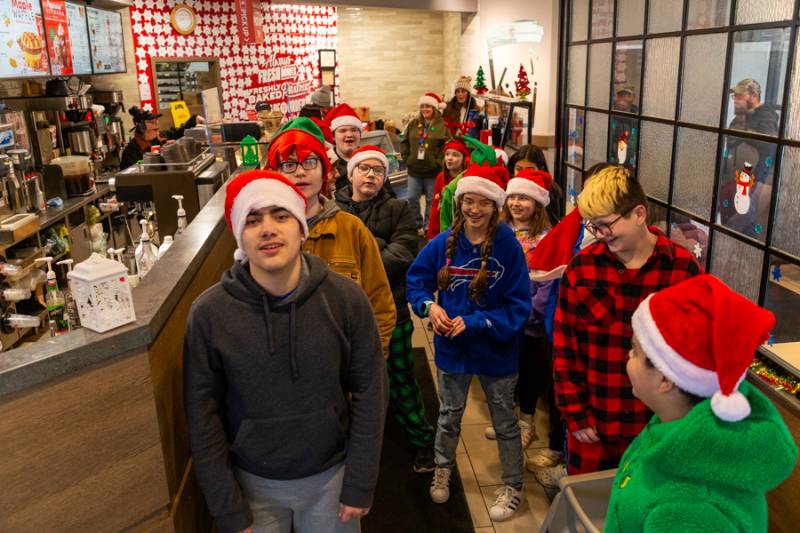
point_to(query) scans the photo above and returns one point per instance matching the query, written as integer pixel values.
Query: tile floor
(479, 464)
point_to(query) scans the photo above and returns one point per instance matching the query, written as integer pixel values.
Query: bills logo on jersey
(461, 275)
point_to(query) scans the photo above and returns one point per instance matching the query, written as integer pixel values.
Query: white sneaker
(489, 433)
(508, 499)
(440, 486)
(544, 458)
(527, 432)
(550, 476)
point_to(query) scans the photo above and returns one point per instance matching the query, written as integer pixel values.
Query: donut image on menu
(31, 46)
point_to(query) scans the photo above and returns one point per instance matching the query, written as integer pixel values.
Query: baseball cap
(747, 85)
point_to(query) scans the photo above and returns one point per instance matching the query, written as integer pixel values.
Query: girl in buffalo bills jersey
(478, 269)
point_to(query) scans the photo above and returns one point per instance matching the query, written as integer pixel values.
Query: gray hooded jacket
(266, 385)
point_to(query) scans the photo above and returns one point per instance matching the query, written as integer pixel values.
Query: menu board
(57, 34)
(105, 38)
(79, 39)
(23, 50)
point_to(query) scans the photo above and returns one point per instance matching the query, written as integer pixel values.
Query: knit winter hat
(459, 146)
(483, 180)
(259, 189)
(433, 100)
(301, 135)
(464, 82)
(533, 183)
(703, 336)
(343, 115)
(366, 152)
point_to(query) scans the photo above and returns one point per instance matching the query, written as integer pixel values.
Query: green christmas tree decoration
(522, 84)
(480, 82)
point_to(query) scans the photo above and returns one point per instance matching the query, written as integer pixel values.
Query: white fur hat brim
(346, 120)
(262, 194)
(528, 188)
(431, 101)
(358, 157)
(484, 187)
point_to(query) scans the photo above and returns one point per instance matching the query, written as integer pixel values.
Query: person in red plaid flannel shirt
(600, 289)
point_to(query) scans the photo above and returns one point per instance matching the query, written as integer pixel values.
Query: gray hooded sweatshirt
(266, 385)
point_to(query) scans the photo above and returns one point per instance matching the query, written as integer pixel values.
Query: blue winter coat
(490, 344)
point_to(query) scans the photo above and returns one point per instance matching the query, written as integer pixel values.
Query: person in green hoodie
(716, 445)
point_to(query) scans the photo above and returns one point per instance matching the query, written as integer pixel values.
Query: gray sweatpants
(306, 505)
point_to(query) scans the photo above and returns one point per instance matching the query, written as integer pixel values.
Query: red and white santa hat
(260, 189)
(501, 155)
(533, 183)
(433, 100)
(343, 115)
(366, 152)
(485, 180)
(702, 336)
(550, 258)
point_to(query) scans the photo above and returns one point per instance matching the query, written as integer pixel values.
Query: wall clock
(183, 19)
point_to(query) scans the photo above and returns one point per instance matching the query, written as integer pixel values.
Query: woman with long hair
(479, 272)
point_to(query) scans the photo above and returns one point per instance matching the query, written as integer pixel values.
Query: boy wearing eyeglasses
(600, 289)
(392, 223)
(298, 153)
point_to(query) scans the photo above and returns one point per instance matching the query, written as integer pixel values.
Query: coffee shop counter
(93, 430)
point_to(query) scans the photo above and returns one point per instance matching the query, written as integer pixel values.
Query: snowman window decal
(745, 179)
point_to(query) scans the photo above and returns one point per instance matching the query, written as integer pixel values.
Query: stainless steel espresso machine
(59, 125)
(109, 127)
(196, 176)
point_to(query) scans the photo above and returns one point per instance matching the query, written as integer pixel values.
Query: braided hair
(479, 284)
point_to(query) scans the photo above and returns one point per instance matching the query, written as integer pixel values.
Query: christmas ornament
(697, 250)
(480, 82)
(745, 179)
(622, 147)
(522, 85)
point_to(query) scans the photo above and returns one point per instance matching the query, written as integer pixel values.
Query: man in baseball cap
(751, 113)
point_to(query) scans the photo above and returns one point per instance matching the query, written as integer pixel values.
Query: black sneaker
(423, 461)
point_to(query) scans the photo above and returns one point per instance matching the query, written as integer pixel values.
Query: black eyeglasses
(364, 169)
(605, 229)
(290, 167)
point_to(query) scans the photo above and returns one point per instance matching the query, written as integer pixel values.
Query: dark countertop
(154, 299)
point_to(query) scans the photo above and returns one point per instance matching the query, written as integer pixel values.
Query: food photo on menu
(22, 42)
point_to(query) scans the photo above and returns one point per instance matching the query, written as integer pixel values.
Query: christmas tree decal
(522, 84)
(480, 82)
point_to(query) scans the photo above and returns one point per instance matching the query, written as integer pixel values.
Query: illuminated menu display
(105, 38)
(23, 49)
(79, 37)
(57, 34)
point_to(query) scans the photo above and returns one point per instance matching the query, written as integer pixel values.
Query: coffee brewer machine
(109, 127)
(63, 123)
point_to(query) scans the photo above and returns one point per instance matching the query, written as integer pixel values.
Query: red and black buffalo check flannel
(592, 334)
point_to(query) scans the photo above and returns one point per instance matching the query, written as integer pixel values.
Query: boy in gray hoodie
(284, 378)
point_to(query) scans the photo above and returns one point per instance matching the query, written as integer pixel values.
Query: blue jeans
(415, 190)
(304, 505)
(499, 391)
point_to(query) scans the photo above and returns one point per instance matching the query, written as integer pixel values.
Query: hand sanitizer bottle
(69, 300)
(181, 215)
(54, 299)
(146, 253)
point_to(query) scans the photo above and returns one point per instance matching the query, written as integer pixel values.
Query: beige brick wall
(388, 58)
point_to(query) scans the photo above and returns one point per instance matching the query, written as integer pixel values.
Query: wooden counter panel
(166, 360)
(784, 501)
(83, 453)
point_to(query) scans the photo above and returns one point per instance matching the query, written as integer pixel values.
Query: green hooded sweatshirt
(702, 474)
